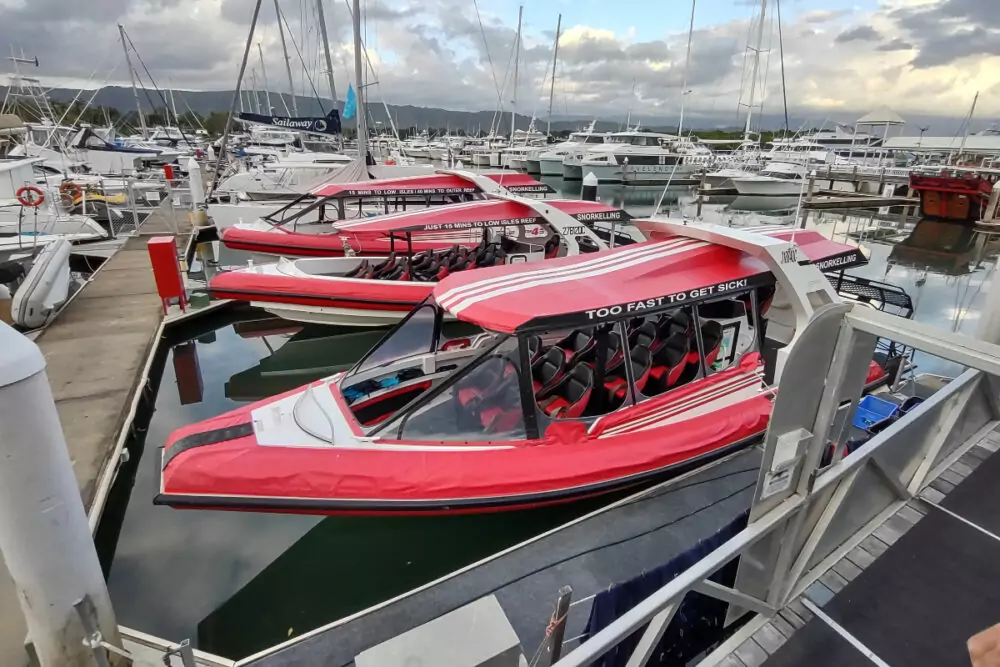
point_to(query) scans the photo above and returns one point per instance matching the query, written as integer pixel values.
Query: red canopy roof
(430, 184)
(488, 213)
(825, 254)
(584, 290)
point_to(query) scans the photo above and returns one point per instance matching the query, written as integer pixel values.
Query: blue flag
(351, 103)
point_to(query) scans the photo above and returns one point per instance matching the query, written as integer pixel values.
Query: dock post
(589, 190)
(557, 627)
(804, 210)
(44, 534)
(197, 185)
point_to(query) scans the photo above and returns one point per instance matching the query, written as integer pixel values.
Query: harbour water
(235, 583)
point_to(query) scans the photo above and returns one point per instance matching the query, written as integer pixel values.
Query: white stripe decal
(599, 259)
(700, 392)
(713, 391)
(728, 399)
(537, 281)
(408, 214)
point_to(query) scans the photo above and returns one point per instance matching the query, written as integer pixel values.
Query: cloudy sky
(841, 57)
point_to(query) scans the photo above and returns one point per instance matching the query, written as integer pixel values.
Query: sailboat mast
(360, 90)
(517, 58)
(173, 107)
(263, 73)
(781, 49)
(288, 63)
(326, 49)
(968, 125)
(131, 74)
(687, 65)
(552, 85)
(754, 68)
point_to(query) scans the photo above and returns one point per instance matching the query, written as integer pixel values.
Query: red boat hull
(219, 464)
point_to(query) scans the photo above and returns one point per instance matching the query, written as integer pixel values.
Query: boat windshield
(482, 404)
(414, 335)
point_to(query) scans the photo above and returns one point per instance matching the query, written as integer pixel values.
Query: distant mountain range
(405, 116)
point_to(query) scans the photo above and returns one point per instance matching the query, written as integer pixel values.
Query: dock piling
(45, 537)
(557, 628)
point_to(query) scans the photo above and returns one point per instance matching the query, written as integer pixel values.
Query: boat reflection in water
(308, 352)
(950, 248)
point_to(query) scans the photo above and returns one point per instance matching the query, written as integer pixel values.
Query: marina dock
(96, 351)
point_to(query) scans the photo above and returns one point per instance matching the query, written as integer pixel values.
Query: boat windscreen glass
(482, 404)
(414, 335)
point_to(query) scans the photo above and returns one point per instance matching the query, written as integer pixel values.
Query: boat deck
(95, 351)
(912, 592)
(590, 554)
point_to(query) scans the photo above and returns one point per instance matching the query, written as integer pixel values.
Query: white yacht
(548, 160)
(776, 179)
(798, 151)
(637, 157)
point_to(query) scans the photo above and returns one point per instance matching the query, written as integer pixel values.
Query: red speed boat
(572, 378)
(324, 223)
(357, 291)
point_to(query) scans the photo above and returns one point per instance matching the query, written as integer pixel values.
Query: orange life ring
(30, 196)
(70, 188)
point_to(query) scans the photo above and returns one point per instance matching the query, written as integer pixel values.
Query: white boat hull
(765, 186)
(550, 166)
(45, 288)
(532, 166)
(572, 172)
(345, 317)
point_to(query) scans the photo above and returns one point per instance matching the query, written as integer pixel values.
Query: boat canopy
(451, 183)
(483, 213)
(820, 251)
(586, 290)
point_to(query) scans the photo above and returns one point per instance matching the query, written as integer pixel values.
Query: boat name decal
(513, 222)
(541, 187)
(572, 231)
(406, 191)
(678, 297)
(832, 262)
(790, 255)
(601, 216)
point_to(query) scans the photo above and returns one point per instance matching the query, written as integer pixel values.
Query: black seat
(711, 336)
(548, 369)
(568, 398)
(644, 335)
(668, 364)
(577, 345)
(613, 355)
(680, 322)
(552, 246)
(534, 348)
(641, 360)
(360, 271)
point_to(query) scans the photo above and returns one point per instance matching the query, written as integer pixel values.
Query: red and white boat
(357, 291)
(583, 375)
(324, 223)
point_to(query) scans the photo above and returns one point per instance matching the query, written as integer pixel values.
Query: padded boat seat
(645, 335)
(534, 348)
(613, 355)
(641, 359)
(680, 322)
(711, 336)
(668, 364)
(552, 246)
(548, 369)
(569, 398)
(577, 345)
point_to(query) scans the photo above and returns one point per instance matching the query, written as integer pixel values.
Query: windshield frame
(436, 336)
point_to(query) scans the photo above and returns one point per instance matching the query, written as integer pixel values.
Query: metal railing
(805, 518)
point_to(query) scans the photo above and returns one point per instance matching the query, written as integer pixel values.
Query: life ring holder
(30, 196)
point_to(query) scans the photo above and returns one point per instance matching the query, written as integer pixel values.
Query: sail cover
(329, 124)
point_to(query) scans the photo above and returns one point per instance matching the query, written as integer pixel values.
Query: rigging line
(486, 46)
(305, 72)
(152, 81)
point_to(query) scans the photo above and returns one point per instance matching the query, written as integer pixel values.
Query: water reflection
(237, 582)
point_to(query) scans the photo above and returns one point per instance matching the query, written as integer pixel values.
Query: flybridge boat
(568, 379)
(422, 247)
(298, 230)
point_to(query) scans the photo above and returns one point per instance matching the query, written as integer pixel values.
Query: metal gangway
(805, 518)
